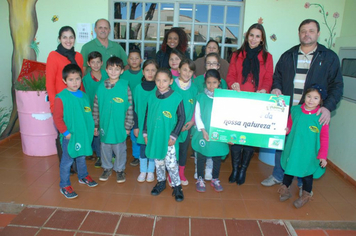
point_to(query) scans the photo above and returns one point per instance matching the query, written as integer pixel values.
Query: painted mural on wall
(23, 28)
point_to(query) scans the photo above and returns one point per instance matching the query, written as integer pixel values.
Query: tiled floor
(34, 181)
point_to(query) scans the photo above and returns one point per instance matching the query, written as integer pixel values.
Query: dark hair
(71, 69)
(135, 50)
(115, 61)
(190, 63)
(165, 71)
(182, 42)
(96, 22)
(178, 53)
(93, 55)
(308, 21)
(212, 73)
(213, 41)
(149, 62)
(244, 45)
(212, 54)
(320, 89)
(64, 29)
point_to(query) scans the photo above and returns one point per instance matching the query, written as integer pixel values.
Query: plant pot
(38, 133)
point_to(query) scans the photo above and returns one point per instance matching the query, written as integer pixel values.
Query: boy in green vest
(113, 114)
(134, 77)
(165, 118)
(73, 118)
(91, 82)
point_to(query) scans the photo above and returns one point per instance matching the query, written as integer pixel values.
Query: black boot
(178, 193)
(246, 158)
(235, 162)
(158, 188)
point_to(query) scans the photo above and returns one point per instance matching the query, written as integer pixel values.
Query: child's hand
(96, 133)
(205, 135)
(188, 125)
(287, 130)
(230, 143)
(68, 136)
(128, 132)
(323, 163)
(136, 131)
(171, 142)
(261, 91)
(145, 138)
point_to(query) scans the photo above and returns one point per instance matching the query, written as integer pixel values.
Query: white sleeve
(198, 121)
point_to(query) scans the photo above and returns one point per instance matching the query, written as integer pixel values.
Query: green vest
(299, 157)
(140, 98)
(79, 121)
(199, 144)
(113, 104)
(199, 81)
(189, 100)
(133, 79)
(91, 86)
(161, 120)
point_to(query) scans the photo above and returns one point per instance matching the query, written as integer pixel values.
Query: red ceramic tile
(50, 232)
(164, 206)
(341, 232)
(190, 207)
(136, 225)
(66, 219)
(257, 209)
(17, 231)
(234, 209)
(5, 219)
(171, 226)
(32, 216)
(100, 222)
(273, 228)
(242, 227)
(207, 227)
(310, 232)
(345, 209)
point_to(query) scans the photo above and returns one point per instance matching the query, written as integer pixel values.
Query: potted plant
(38, 133)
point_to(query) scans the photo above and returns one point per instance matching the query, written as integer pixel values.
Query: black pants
(307, 182)
(237, 147)
(183, 150)
(201, 160)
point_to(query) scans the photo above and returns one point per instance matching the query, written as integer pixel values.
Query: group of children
(163, 110)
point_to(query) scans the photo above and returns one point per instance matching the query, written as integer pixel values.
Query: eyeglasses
(212, 64)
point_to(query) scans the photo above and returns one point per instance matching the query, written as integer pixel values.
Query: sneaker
(68, 192)
(105, 175)
(270, 181)
(142, 177)
(284, 193)
(301, 191)
(150, 177)
(88, 181)
(98, 163)
(135, 162)
(158, 188)
(178, 193)
(200, 185)
(215, 183)
(120, 177)
(302, 200)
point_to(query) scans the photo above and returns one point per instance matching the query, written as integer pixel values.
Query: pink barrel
(38, 133)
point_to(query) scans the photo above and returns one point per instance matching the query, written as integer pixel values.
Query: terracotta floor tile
(282, 210)
(100, 222)
(307, 212)
(340, 232)
(234, 209)
(329, 193)
(212, 208)
(94, 200)
(231, 191)
(33, 216)
(251, 192)
(171, 226)
(28, 177)
(46, 180)
(347, 211)
(242, 227)
(191, 192)
(325, 211)
(136, 225)
(164, 206)
(257, 209)
(89, 234)
(52, 197)
(117, 203)
(310, 232)
(273, 228)
(66, 219)
(30, 195)
(8, 176)
(348, 193)
(207, 227)
(189, 208)
(10, 152)
(5, 219)
(50, 232)
(141, 204)
(16, 231)
(144, 189)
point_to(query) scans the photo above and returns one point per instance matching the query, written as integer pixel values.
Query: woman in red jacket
(250, 70)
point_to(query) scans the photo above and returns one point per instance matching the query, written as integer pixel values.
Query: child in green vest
(134, 77)
(141, 94)
(164, 121)
(306, 148)
(184, 86)
(175, 58)
(73, 118)
(201, 141)
(91, 82)
(113, 116)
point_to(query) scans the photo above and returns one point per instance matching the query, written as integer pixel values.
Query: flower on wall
(331, 29)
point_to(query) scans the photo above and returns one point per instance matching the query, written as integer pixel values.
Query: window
(144, 24)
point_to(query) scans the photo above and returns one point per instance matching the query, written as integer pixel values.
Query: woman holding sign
(250, 70)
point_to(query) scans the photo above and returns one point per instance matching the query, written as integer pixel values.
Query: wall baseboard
(342, 173)
(12, 136)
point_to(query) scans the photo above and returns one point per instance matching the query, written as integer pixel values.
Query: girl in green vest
(175, 58)
(201, 142)
(163, 123)
(141, 94)
(306, 147)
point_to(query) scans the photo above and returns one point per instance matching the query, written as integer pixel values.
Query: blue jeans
(144, 160)
(135, 145)
(96, 145)
(66, 163)
(278, 172)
